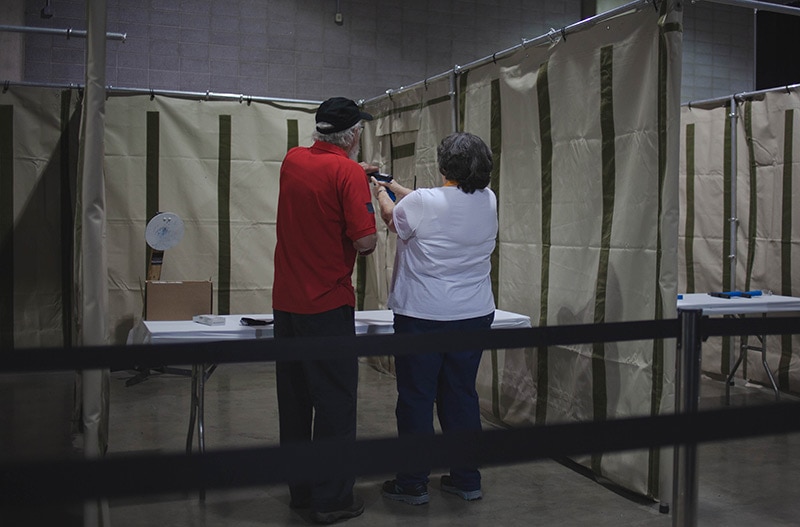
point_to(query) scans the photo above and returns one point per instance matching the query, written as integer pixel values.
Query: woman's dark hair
(465, 159)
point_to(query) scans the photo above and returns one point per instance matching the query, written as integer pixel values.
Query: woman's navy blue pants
(446, 379)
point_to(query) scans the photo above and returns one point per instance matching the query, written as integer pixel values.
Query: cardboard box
(177, 300)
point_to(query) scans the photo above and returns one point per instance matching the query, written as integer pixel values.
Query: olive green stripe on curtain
(152, 154)
(608, 139)
(66, 217)
(752, 220)
(786, 241)
(688, 235)
(546, 138)
(462, 99)
(7, 227)
(292, 134)
(224, 216)
(436, 100)
(403, 151)
(361, 281)
(496, 144)
(727, 174)
(496, 140)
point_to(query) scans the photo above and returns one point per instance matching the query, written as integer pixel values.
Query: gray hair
(465, 159)
(343, 139)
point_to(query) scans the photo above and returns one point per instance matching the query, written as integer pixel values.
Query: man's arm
(366, 245)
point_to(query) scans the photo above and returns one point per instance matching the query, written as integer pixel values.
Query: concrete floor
(742, 483)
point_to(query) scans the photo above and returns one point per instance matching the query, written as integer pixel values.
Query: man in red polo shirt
(325, 218)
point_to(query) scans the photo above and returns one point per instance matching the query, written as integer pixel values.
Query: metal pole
(68, 33)
(206, 96)
(719, 101)
(454, 99)
(687, 392)
(755, 47)
(734, 219)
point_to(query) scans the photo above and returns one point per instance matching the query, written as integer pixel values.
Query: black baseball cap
(341, 112)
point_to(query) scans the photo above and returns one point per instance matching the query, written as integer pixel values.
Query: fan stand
(155, 259)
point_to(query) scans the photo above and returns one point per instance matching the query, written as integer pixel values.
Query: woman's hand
(399, 190)
(378, 187)
(385, 203)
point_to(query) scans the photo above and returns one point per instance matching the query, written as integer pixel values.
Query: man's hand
(369, 169)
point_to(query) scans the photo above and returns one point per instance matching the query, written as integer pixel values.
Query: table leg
(201, 387)
(729, 379)
(197, 411)
(742, 352)
(766, 368)
(196, 372)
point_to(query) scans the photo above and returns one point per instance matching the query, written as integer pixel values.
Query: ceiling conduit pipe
(68, 33)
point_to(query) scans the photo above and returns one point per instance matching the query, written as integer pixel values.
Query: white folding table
(175, 331)
(740, 306)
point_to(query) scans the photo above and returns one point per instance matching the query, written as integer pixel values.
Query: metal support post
(687, 391)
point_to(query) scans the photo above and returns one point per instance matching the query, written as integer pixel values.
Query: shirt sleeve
(407, 215)
(359, 214)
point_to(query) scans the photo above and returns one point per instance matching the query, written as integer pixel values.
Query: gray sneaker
(469, 495)
(344, 514)
(417, 495)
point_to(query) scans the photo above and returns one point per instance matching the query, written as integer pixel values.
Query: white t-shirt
(445, 238)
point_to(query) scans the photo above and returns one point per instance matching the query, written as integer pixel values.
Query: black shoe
(416, 495)
(344, 514)
(469, 495)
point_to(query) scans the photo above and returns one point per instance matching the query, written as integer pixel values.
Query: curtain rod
(719, 101)
(207, 95)
(401, 89)
(550, 37)
(555, 35)
(69, 32)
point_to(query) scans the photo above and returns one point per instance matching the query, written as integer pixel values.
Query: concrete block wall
(718, 51)
(294, 49)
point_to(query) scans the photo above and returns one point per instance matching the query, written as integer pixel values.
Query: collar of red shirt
(328, 147)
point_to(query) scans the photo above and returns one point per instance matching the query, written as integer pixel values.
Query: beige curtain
(39, 141)
(402, 140)
(585, 137)
(762, 182)
(216, 165)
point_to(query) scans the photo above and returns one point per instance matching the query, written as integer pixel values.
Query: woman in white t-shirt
(441, 282)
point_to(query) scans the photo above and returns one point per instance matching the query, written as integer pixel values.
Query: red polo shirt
(323, 206)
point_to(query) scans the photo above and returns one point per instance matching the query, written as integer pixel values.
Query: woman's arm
(385, 203)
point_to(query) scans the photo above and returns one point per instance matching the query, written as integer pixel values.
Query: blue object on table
(738, 294)
(744, 294)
